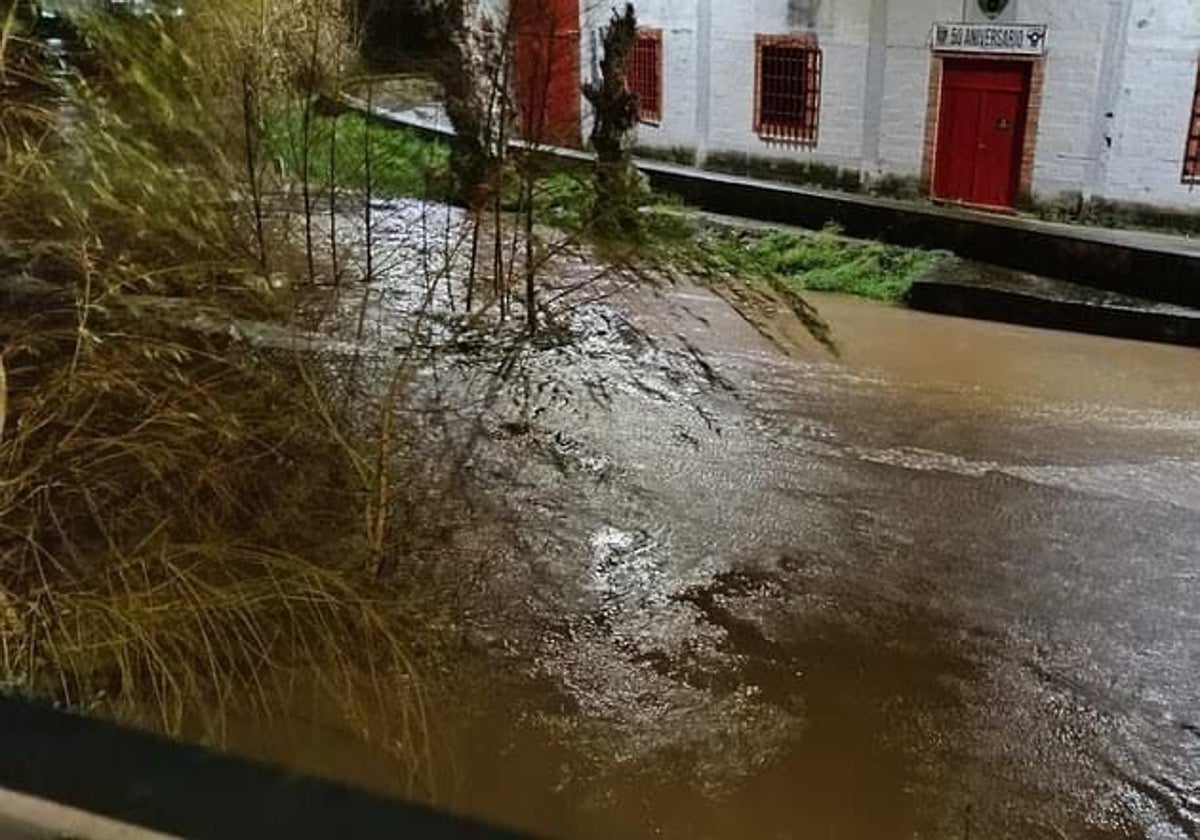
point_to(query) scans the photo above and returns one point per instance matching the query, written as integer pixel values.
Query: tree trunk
(615, 113)
(472, 49)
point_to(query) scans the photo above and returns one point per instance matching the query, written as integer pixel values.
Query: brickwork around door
(1033, 114)
(933, 109)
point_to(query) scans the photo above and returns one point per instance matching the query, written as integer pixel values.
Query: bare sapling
(252, 160)
(334, 269)
(307, 84)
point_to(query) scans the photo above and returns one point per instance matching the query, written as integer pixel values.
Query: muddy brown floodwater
(947, 585)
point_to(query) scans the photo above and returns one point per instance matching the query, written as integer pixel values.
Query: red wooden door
(981, 132)
(547, 70)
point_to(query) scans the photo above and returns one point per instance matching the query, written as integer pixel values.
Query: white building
(984, 102)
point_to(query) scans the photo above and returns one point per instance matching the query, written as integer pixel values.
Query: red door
(981, 132)
(547, 70)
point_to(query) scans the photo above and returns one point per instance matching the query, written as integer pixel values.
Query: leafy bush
(566, 200)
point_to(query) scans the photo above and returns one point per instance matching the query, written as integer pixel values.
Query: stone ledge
(977, 291)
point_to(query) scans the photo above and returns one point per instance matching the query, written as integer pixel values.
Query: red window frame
(1191, 152)
(787, 88)
(644, 74)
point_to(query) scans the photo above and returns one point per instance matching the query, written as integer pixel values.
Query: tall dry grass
(181, 529)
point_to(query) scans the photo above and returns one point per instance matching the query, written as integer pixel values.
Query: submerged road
(946, 585)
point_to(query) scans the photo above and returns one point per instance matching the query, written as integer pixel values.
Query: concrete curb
(995, 294)
(1009, 307)
(168, 788)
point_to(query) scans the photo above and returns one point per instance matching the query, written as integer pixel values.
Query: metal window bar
(645, 75)
(1191, 158)
(788, 81)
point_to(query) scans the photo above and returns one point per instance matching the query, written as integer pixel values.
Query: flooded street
(582, 537)
(945, 585)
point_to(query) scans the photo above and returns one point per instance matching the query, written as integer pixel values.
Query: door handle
(1003, 124)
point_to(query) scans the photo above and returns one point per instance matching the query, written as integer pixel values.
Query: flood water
(946, 585)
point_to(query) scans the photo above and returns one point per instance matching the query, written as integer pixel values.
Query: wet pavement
(945, 585)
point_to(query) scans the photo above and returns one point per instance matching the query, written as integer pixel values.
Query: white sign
(1008, 39)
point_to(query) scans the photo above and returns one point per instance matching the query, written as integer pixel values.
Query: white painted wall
(842, 31)
(1133, 59)
(1068, 133)
(906, 84)
(1154, 104)
(678, 21)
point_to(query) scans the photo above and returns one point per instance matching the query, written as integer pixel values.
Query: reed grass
(181, 535)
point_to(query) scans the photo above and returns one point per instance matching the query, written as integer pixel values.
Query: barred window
(645, 74)
(788, 88)
(1191, 155)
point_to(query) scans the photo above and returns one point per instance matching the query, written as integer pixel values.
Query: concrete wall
(1071, 107)
(1119, 77)
(906, 89)
(1153, 105)
(709, 72)
(682, 66)
(842, 31)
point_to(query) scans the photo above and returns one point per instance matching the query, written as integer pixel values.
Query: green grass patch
(405, 163)
(564, 198)
(401, 162)
(821, 261)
